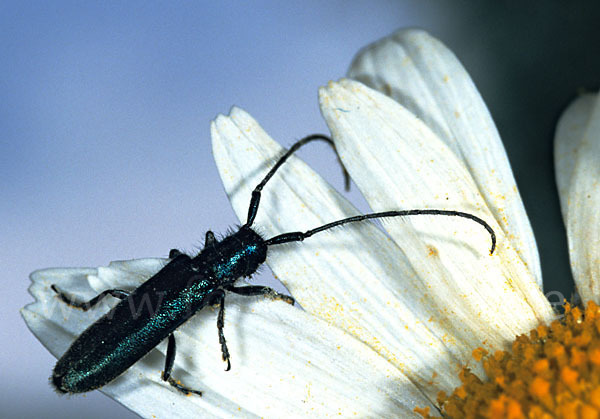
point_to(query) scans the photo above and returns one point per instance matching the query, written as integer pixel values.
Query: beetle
(183, 286)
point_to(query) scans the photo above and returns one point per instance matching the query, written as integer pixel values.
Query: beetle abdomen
(132, 328)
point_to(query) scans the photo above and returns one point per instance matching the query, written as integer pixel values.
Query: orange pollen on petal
(479, 353)
(424, 411)
(552, 372)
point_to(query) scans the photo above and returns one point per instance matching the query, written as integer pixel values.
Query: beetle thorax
(238, 255)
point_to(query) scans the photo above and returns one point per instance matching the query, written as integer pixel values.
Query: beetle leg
(210, 239)
(169, 361)
(86, 305)
(219, 296)
(173, 253)
(251, 290)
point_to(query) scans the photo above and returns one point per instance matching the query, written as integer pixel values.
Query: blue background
(104, 126)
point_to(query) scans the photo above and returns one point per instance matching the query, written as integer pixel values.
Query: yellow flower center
(553, 372)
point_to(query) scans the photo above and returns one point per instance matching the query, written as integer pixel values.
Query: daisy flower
(554, 371)
(390, 319)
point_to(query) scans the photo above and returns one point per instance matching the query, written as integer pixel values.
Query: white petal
(569, 134)
(424, 76)
(347, 276)
(353, 277)
(398, 163)
(578, 174)
(284, 361)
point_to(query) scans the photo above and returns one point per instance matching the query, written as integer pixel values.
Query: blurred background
(104, 126)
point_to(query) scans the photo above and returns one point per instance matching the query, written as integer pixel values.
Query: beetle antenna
(300, 236)
(255, 200)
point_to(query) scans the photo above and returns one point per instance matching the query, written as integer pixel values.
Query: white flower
(388, 320)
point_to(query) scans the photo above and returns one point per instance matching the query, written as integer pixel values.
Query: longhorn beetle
(183, 286)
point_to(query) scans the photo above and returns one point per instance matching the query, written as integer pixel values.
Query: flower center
(553, 372)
